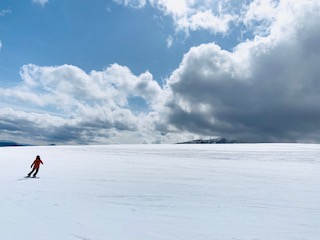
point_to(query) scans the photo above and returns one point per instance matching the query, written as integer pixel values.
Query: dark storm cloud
(266, 90)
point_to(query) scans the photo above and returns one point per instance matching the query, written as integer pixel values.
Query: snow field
(162, 192)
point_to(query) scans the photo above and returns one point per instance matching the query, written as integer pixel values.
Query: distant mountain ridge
(211, 141)
(4, 143)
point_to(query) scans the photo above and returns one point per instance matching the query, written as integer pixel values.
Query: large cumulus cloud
(267, 89)
(78, 107)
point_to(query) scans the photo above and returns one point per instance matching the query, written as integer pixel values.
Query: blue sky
(87, 34)
(158, 71)
(92, 35)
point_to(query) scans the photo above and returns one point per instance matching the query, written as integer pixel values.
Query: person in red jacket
(36, 166)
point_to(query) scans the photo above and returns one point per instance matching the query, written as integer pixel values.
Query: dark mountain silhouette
(211, 141)
(4, 143)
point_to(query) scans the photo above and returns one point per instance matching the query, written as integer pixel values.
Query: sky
(159, 71)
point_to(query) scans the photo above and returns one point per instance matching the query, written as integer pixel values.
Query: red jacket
(36, 163)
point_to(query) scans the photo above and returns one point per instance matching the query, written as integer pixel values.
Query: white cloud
(208, 21)
(169, 41)
(221, 16)
(41, 2)
(191, 15)
(90, 105)
(114, 85)
(260, 10)
(4, 12)
(132, 3)
(0, 44)
(178, 8)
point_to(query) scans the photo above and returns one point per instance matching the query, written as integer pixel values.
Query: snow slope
(162, 192)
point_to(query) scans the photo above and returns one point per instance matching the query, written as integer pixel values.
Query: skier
(36, 166)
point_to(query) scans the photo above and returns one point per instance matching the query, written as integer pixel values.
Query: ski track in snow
(162, 192)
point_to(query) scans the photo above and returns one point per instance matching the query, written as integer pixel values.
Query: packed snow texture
(162, 192)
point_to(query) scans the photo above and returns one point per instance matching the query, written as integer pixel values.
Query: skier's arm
(32, 165)
(41, 162)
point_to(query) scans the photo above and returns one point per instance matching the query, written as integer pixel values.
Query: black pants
(34, 169)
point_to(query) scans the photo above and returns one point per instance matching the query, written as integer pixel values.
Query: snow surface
(162, 192)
